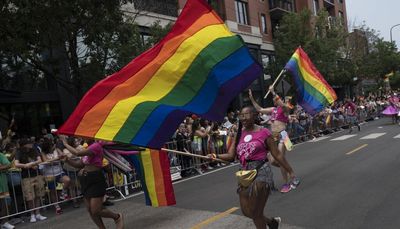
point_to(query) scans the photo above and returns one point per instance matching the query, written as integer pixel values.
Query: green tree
(371, 57)
(322, 37)
(75, 42)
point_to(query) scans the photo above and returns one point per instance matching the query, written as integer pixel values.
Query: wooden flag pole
(193, 155)
(276, 81)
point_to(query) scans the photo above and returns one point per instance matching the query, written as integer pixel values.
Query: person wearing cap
(33, 183)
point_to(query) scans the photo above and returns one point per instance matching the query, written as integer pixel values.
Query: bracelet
(277, 98)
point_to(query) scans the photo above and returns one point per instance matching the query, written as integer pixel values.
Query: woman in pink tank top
(251, 146)
(279, 119)
(92, 181)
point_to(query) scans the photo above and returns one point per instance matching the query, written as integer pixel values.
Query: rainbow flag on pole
(313, 92)
(198, 68)
(152, 166)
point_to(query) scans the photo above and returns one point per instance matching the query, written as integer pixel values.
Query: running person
(279, 120)
(251, 146)
(93, 182)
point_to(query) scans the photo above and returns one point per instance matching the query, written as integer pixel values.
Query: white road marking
(373, 136)
(397, 136)
(344, 137)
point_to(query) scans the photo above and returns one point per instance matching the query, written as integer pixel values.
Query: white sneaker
(40, 217)
(209, 167)
(33, 219)
(6, 225)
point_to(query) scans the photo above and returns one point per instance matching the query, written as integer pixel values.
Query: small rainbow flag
(313, 92)
(152, 166)
(198, 68)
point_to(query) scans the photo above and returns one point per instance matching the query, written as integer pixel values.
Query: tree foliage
(75, 43)
(321, 37)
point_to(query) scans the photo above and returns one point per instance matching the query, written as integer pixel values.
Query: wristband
(277, 98)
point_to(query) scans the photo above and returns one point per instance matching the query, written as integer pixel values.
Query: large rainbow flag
(199, 67)
(152, 166)
(313, 92)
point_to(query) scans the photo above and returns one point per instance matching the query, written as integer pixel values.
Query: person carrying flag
(251, 146)
(279, 120)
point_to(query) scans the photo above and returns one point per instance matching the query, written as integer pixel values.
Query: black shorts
(93, 184)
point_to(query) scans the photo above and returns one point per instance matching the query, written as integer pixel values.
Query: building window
(315, 7)
(264, 24)
(241, 12)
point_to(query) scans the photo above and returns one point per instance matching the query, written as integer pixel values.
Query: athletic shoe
(58, 210)
(40, 217)
(199, 171)
(275, 223)
(295, 182)
(7, 225)
(285, 188)
(33, 219)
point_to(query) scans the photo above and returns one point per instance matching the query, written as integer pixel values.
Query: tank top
(279, 115)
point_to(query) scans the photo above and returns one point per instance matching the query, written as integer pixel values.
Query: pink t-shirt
(97, 158)
(252, 145)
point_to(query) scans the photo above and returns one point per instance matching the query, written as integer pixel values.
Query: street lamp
(391, 40)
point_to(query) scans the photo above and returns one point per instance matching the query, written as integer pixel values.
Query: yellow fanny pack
(246, 177)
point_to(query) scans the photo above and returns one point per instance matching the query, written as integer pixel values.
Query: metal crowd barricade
(17, 203)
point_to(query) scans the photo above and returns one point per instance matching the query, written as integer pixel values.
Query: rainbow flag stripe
(152, 166)
(313, 92)
(199, 67)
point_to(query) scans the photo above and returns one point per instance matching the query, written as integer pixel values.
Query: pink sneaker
(286, 188)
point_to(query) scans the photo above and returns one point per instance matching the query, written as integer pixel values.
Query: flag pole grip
(275, 82)
(193, 155)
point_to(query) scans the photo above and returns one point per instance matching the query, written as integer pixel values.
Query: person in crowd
(52, 170)
(4, 193)
(14, 180)
(28, 159)
(72, 171)
(251, 146)
(46, 134)
(93, 182)
(279, 119)
(198, 133)
(181, 138)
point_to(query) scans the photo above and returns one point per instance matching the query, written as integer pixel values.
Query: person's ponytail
(238, 134)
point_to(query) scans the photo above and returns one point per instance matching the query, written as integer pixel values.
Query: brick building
(254, 20)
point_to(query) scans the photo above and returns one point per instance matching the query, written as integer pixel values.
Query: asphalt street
(347, 181)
